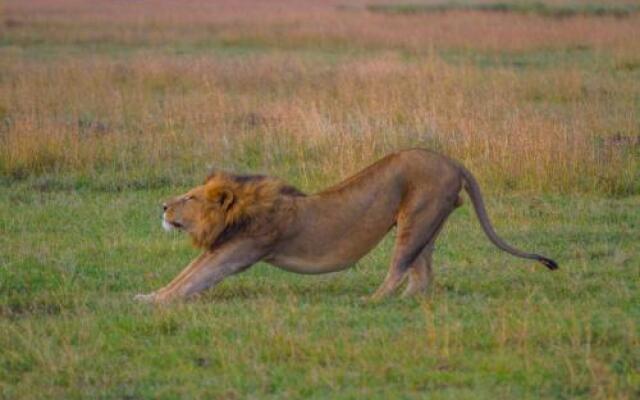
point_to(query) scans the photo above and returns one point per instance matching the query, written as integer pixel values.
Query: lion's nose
(164, 207)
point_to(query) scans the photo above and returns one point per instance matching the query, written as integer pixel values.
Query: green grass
(494, 326)
(550, 10)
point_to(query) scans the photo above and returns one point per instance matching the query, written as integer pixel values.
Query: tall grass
(310, 105)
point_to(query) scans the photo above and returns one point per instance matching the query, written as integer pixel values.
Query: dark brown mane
(242, 179)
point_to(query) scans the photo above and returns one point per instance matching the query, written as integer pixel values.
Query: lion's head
(223, 204)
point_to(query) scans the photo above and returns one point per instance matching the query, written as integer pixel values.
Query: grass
(544, 9)
(493, 327)
(89, 96)
(108, 108)
(111, 119)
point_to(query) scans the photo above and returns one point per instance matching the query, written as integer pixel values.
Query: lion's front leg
(205, 271)
(151, 297)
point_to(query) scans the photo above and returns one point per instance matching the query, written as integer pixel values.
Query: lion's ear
(222, 196)
(226, 198)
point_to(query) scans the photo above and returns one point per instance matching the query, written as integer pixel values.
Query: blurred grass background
(140, 92)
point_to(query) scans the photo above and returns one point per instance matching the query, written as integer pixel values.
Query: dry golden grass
(315, 91)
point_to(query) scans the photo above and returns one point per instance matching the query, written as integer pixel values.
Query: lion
(238, 220)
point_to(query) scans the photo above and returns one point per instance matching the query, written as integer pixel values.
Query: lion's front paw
(370, 299)
(145, 298)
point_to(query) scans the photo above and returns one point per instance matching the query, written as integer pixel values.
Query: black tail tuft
(549, 263)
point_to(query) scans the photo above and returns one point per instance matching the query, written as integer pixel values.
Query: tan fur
(240, 220)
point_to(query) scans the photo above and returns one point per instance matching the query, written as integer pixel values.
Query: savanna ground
(107, 108)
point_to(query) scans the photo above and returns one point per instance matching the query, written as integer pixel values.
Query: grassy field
(108, 108)
(494, 327)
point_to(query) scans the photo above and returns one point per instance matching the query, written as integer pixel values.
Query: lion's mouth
(170, 225)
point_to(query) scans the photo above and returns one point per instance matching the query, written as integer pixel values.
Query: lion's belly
(325, 256)
(304, 265)
(331, 247)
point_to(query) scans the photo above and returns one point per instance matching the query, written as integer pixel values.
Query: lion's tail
(473, 189)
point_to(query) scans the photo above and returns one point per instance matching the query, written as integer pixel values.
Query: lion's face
(184, 211)
(201, 212)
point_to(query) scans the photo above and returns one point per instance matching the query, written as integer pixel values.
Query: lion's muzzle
(168, 225)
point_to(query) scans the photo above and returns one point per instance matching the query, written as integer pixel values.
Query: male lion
(239, 220)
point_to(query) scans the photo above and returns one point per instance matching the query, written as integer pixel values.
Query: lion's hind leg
(421, 271)
(420, 274)
(409, 244)
(417, 231)
(394, 278)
